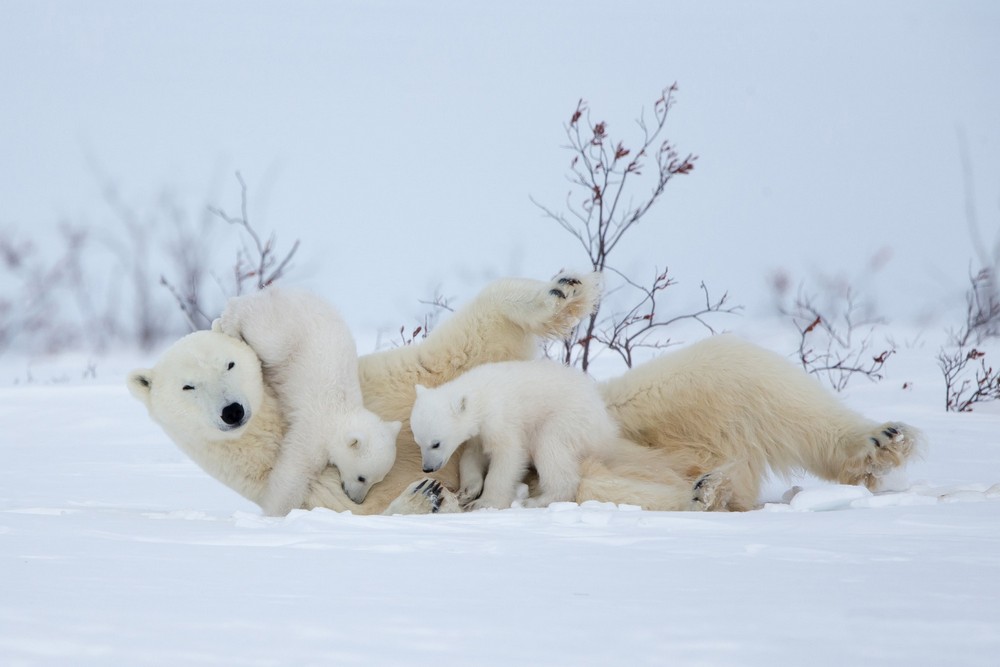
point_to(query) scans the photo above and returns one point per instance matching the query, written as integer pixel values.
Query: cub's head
(440, 424)
(206, 387)
(365, 453)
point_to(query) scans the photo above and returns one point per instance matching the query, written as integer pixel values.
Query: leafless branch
(602, 208)
(837, 347)
(258, 269)
(967, 377)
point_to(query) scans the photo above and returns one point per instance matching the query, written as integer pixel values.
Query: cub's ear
(394, 428)
(140, 384)
(353, 440)
(459, 406)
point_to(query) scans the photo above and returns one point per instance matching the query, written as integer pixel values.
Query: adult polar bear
(706, 421)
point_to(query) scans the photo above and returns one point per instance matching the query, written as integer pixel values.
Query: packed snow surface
(117, 550)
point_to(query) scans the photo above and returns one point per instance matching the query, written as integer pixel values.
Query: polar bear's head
(366, 452)
(441, 422)
(206, 387)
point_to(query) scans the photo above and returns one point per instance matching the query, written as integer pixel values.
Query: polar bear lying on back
(512, 414)
(310, 359)
(718, 414)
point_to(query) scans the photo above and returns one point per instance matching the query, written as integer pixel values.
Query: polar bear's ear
(394, 428)
(458, 407)
(140, 384)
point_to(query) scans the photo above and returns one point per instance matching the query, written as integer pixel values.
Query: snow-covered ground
(848, 141)
(115, 549)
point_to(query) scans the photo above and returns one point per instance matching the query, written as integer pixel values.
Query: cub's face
(439, 426)
(367, 457)
(206, 387)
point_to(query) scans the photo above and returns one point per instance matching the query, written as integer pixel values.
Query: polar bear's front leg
(472, 466)
(300, 459)
(425, 496)
(558, 474)
(258, 319)
(507, 467)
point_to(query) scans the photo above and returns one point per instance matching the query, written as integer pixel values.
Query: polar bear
(707, 421)
(504, 322)
(519, 413)
(310, 360)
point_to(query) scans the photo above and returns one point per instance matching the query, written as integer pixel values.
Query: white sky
(401, 141)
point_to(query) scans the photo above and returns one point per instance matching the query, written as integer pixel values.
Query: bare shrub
(837, 344)
(98, 285)
(600, 209)
(967, 376)
(255, 266)
(426, 322)
(30, 285)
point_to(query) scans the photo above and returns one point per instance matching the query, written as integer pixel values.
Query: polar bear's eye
(231, 364)
(435, 445)
(188, 387)
(361, 479)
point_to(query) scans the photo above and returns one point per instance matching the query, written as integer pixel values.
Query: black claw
(701, 482)
(557, 292)
(568, 281)
(876, 442)
(420, 486)
(433, 492)
(892, 431)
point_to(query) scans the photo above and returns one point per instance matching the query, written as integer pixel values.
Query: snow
(117, 549)
(829, 136)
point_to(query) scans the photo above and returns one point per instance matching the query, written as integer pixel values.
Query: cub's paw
(229, 324)
(469, 493)
(487, 503)
(712, 492)
(886, 448)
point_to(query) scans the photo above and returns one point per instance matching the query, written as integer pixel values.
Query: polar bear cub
(513, 414)
(310, 359)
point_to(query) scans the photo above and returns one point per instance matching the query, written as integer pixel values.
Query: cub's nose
(233, 414)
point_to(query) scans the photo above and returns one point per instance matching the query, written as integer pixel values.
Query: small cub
(310, 360)
(513, 414)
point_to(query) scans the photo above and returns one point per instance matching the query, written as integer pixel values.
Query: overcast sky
(400, 142)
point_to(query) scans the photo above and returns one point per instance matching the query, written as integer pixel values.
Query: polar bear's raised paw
(564, 280)
(576, 297)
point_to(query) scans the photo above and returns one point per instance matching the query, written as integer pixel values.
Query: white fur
(725, 412)
(700, 427)
(519, 413)
(505, 321)
(221, 372)
(310, 360)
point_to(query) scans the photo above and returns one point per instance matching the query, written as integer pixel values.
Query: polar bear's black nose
(232, 413)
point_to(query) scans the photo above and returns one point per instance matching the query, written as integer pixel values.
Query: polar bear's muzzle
(234, 416)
